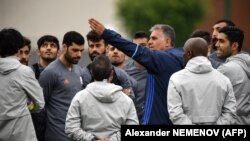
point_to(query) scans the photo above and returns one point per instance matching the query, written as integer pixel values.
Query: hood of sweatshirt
(9, 64)
(199, 65)
(104, 91)
(243, 60)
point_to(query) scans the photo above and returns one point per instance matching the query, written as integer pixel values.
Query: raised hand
(96, 26)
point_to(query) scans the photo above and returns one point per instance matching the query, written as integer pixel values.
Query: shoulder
(180, 75)
(26, 70)
(125, 99)
(120, 73)
(81, 95)
(229, 67)
(122, 76)
(25, 75)
(86, 70)
(220, 75)
(175, 56)
(77, 69)
(51, 71)
(119, 70)
(34, 66)
(175, 51)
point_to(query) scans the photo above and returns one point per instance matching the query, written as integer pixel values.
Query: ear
(168, 42)
(59, 52)
(189, 54)
(235, 46)
(107, 49)
(64, 48)
(38, 52)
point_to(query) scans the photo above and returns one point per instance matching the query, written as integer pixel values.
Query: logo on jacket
(66, 81)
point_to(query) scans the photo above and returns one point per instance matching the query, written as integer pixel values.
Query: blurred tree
(182, 15)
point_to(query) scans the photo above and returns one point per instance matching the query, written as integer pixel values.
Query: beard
(94, 54)
(24, 62)
(49, 59)
(214, 40)
(71, 60)
(116, 63)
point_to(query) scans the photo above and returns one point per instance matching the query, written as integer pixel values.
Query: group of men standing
(166, 85)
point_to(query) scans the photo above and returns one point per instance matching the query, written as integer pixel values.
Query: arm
(175, 109)
(132, 118)
(86, 77)
(47, 82)
(73, 122)
(144, 56)
(128, 83)
(228, 113)
(33, 89)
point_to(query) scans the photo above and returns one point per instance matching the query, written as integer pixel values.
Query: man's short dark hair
(203, 34)
(73, 37)
(141, 34)
(47, 38)
(101, 67)
(11, 41)
(228, 22)
(26, 42)
(94, 37)
(234, 34)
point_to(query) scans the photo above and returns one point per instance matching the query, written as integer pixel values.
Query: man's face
(141, 41)
(73, 53)
(23, 54)
(96, 48)
(116, 57)
(215, 32)
(216, 29)
(48, 51)
(158, 41)
(223, 46)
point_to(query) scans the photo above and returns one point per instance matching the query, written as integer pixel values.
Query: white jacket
(200, 94)
(99, 111)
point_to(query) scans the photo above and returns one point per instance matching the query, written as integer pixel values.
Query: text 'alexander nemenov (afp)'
(205, 131)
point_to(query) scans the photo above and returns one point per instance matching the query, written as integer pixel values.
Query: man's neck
(44, 63)
(65, 62)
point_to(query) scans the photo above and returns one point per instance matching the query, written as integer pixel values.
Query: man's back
(206, 95)
(103, 109)
(98, 111)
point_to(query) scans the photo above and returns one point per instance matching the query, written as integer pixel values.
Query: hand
(127, 91)
(96, 26)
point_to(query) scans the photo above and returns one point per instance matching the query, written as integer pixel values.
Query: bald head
(195, 47)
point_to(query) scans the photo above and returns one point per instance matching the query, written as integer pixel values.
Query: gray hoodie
(237, 69)
(99, 111)
(18, 82)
